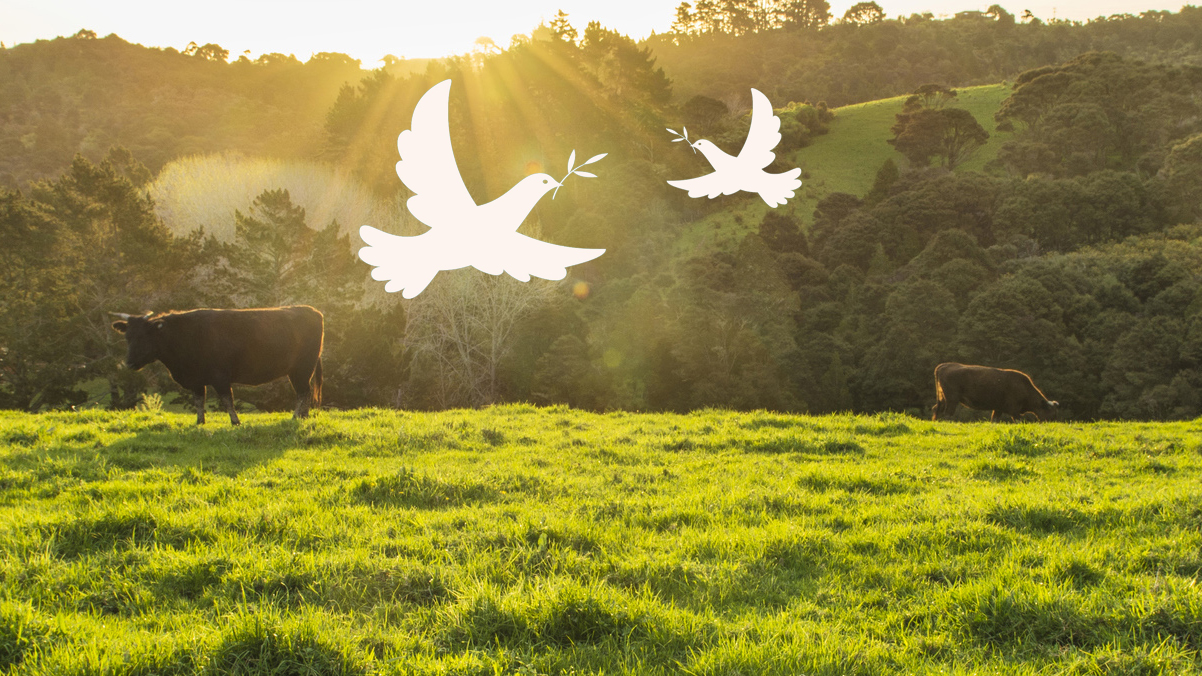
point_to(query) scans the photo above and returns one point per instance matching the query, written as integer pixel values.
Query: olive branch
(576, 169)
(683, 137)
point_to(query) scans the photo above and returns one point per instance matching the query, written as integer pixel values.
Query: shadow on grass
(87, 455)
(221, 450)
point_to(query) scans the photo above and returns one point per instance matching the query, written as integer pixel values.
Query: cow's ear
(158, 324)
(120, 326)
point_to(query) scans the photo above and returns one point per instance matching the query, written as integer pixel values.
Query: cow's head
(1050, 409)
(141, 335)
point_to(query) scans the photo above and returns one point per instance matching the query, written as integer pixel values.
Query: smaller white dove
(746, 171)
(462, 233)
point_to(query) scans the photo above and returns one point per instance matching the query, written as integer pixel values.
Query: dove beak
(558, 185)
(694, 147)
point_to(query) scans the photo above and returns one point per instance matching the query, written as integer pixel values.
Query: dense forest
(798, 51)
(1074, 255)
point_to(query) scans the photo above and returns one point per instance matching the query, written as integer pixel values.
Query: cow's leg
(940, 409)
(198, 398)
(226, 393)
(304, 393)
(944, 408)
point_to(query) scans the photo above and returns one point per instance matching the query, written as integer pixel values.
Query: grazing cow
(220, 347)
(985, 388)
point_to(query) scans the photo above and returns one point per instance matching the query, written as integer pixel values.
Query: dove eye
(544, 181)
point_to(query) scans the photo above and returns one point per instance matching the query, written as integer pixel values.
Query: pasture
(524, 540)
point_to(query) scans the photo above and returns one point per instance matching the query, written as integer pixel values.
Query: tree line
(865, 56)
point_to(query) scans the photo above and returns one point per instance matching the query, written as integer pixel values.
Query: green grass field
(846, 160)
(523, 540)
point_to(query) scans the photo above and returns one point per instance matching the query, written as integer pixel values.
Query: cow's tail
(940, 397)
(317, 384)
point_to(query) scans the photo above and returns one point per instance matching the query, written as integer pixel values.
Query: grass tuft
(22, 632)
(1021, 442)
(256, 645)
(409, 489)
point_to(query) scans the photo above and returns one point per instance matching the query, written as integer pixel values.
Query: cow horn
(1055, 404)
(121, 315)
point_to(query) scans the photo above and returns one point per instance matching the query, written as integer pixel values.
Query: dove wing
(764, 134)
(427, 165)
(525, 257)
(403, 262)
(710, 185)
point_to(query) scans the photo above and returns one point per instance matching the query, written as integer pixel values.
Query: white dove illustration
(462, 233)
(746, 171)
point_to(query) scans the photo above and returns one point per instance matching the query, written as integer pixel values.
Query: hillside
(85, 94)
(846, 159)
(525, 540)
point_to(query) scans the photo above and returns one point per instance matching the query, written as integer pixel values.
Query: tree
(117, 255)
(782, 233)
(271, 243)
(952, 134)
(39, 364)
(929, 96)
(562, 28)
(564, 375)
(684, 23)
(886, 176)
(1182, 175)
(733, 333)
(920, 333)
(804, 14)
(622, 66)
(864, 14)
(461, 329)
(277, 259)
(486, 44)
(1013, 323)
(1000, 15)
(1100, 111)
(208, 52)
(704, 113)
(333, 60)
(1141, 371)
(708, 18)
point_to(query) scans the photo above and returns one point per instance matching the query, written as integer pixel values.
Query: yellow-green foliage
(204, 191)
(523, 540)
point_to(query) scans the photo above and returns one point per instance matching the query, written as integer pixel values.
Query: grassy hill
(521, 540)
(847, 160)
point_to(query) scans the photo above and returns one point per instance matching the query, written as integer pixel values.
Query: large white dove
(746, 171)
(462, 233)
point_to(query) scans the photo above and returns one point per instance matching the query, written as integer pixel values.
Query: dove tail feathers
(780, 187)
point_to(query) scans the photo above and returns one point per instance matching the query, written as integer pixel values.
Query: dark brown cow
(218, 348)
(988, 389)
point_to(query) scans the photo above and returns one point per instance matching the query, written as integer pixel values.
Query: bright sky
(368, 30)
